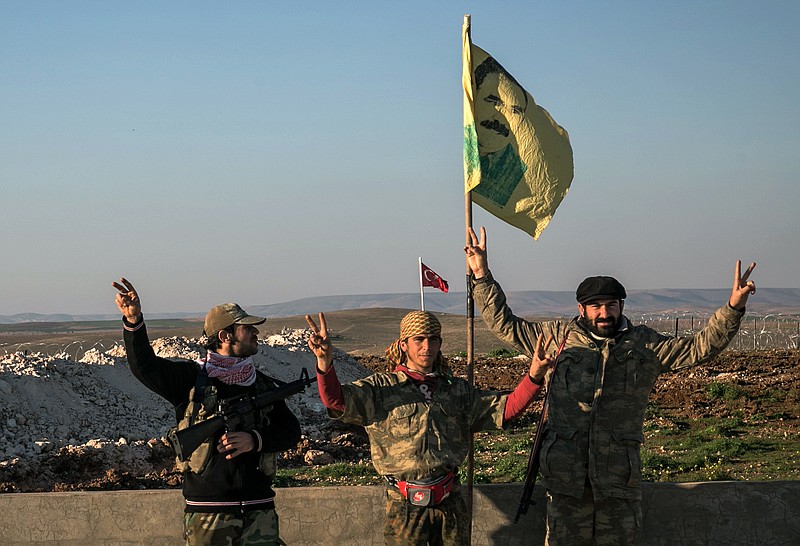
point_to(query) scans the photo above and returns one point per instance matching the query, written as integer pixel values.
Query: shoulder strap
(200, 385)
(199, 393)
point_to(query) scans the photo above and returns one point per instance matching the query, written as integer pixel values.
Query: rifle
(230, 415)
(533, 461)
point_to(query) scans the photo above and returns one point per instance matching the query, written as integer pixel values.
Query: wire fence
(756, 332)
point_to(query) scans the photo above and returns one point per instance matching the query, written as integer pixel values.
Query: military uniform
(599, 393)
(419, 419)
(411, 439)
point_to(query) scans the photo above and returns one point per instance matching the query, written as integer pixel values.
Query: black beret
(601, 287)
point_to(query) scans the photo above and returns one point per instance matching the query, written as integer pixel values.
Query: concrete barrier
(708, 513)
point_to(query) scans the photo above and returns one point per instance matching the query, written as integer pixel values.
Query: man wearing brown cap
(599, 392)
(419, 419)
(228, 479)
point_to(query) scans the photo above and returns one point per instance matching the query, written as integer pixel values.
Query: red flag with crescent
(431, 278)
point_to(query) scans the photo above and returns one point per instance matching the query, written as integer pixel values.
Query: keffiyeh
(413, 324)
(230, 370)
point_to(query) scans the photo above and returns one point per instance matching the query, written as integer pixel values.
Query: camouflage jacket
(600, 389)
(411, 439)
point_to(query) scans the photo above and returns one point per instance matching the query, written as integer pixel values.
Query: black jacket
(225, 485)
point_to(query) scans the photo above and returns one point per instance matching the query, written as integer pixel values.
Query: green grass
(501, 456)
(502, 352)
(709, 449)
(724, 391)
(332, 474)
(721, 449)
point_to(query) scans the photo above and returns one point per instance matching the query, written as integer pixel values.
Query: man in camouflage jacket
(599, 391)
(419, 419)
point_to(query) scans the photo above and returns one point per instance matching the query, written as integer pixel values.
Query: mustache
(495, 126)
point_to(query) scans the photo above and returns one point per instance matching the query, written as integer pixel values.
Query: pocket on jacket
(398, 422)
(624, 459)
(557, 458)
(578, 375)
(453, 429)
(632, 362)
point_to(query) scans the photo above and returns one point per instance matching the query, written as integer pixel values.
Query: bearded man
(598, 394)
(227, 480)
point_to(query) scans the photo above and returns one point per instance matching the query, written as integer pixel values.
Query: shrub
(502, 353)
(724, 391)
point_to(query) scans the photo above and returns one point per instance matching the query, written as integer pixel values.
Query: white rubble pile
(48, 402)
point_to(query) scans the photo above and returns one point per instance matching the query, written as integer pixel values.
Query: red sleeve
(520, 399)
(330, 390)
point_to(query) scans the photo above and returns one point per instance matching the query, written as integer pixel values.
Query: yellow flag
(517, 159)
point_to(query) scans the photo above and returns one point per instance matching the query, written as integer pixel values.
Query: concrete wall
(724, 513)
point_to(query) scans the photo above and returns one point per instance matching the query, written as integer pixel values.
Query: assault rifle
(231, 413)
(533, 461)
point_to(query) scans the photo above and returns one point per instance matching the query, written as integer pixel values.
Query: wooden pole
(466, 57)
(470, 351)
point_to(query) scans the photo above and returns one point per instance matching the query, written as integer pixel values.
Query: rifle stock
(186, 441)
(230, 414)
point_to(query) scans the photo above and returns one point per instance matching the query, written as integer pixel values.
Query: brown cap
(222, 316)
(600, 288)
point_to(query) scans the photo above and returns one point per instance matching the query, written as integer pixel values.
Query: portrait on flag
(517, 159)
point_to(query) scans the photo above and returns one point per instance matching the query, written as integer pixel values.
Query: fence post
(676, 326)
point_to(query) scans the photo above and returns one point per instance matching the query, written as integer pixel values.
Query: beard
(602, 327)
(243, 350)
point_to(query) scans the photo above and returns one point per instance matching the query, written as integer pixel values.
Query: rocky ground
(89, 425)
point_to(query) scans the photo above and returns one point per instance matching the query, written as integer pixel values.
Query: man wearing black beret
(598, 394)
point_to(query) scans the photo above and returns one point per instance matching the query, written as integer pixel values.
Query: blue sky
(261, 152)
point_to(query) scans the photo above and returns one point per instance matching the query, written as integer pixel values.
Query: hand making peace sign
(742, 288)
(475, 250)
(541, 360)
(319, 343)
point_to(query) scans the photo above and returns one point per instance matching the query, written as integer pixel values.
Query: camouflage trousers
(585, 521)
(446, 524)
(256, 527)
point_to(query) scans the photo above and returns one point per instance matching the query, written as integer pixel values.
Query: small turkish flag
(431, 278)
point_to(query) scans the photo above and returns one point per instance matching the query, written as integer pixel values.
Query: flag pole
(421, 292)
(470, 303)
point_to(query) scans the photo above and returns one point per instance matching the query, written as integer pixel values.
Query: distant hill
(542, 303)
(785, 301)
(21, 318)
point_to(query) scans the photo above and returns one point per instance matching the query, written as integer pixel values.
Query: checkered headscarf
(414, 324)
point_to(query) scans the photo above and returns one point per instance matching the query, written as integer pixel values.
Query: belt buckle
(420, 496)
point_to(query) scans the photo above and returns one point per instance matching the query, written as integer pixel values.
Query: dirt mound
(90, 425)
